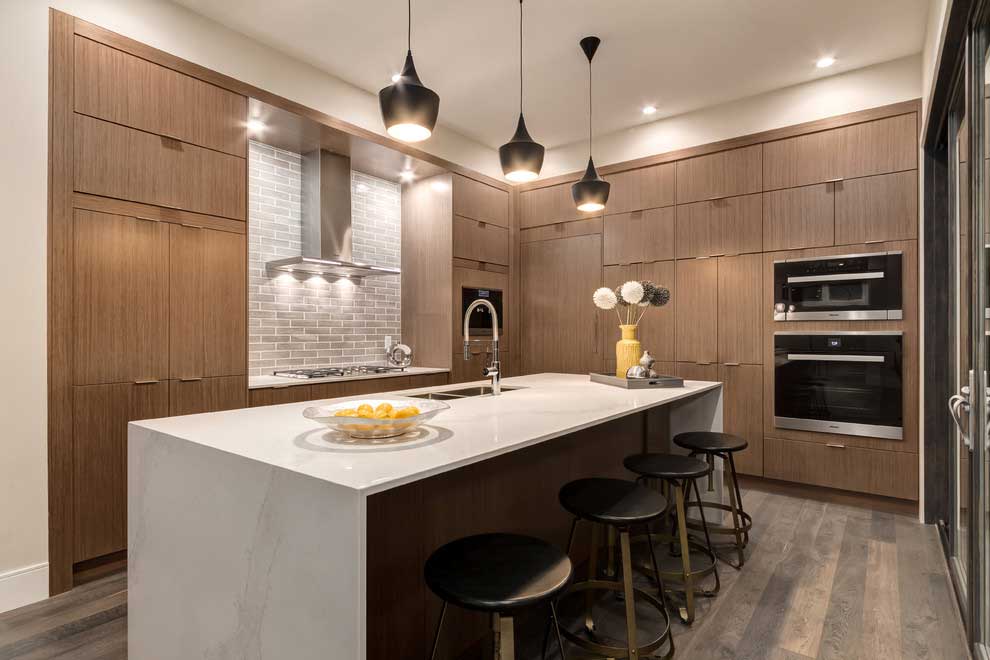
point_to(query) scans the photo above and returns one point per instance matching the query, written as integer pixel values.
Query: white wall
(869, 87)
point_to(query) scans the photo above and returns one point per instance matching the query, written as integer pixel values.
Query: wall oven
(480, 323)
(849, 383)
(857, 287)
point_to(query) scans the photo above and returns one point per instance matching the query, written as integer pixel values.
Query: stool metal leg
(556, 629)
(735, 484)
(735, 524)
(610, 565)
(589, 621)
(436, 636)
(627, 592)
(688, 614)
(505, 642)
(708, 538)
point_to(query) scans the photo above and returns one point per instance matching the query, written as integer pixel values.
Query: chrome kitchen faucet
(493, 368)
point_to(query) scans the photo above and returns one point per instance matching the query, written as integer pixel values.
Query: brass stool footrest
(744, 528)
(678, 576)
(618, 651)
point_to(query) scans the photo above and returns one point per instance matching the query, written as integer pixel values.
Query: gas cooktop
(331, 372)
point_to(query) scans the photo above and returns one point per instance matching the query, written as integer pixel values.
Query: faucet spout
(493, 369)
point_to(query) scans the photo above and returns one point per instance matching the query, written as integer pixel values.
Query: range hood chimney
(326, 221)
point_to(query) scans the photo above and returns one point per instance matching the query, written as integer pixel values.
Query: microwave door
(855, 296)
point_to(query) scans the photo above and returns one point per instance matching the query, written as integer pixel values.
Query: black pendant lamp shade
(409, 108)
(521, 157)
(591, 192)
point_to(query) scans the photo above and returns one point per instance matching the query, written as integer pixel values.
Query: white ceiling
(677, 54)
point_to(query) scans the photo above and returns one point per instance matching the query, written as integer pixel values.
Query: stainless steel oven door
(856, 287)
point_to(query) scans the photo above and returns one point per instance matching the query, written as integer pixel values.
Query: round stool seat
(612, 501)
(710, 441)
(666, 466)
(497, 572)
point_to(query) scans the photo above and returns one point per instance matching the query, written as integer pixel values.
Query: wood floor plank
(881, 602)
(843, 627)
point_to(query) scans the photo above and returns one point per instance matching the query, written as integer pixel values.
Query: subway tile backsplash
(296, 323)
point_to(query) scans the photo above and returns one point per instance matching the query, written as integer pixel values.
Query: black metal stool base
(680, 580)
(740, 532)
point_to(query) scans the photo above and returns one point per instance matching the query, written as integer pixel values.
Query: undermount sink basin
(436, 396)
(482, 390)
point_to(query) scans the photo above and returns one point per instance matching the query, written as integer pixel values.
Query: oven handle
(815, 357)
(840, 277)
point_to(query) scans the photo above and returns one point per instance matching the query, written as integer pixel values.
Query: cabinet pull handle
(702, 363)
(146, 382)
(719, 254)
(872, 242)
(186, 224)
(838, 179)
(146, 218)
(716, 198)
(170, 137)
(190, 380)
(731, 364)
(835, 445)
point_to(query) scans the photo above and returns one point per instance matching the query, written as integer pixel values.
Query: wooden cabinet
(561, 333)
(273, 396)
(656, 331)
(697, 311)
(480, 241)
(721, 174)
(124, 163)
(550, 205)
(877, 208)
(742, 412)
(732, 225)
(799, 217)
(479, 201)
(208, 303)
(639, 236)
(695, 371)
(740, 321)
(121, 88)
(873, 147)
(119, 299)
(202, 395)
(886, 473)
(643, 188)
(99, 460)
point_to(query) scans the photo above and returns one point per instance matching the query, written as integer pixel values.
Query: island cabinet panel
(643, 188)
(799, 217)
(550, 205)
(561, 333)
(639, 236)
(208, 316)
(480, 241)
(121, 88)
(119, 299)
(99, 475)
(124, 163)
(877, 208)
(202, 395)
(886, 473)
(732, 225)
(479, 201)
(742, 412)
(865, 149)
(697, 312)
(721, 174)
(740, 309)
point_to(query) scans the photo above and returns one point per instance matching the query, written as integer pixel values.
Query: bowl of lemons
(376, 418)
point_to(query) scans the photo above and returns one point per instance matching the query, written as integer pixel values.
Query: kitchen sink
(436, 396)
(482, 390)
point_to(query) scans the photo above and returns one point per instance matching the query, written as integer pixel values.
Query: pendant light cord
(409, 25)
(590, 109)
(520, 58)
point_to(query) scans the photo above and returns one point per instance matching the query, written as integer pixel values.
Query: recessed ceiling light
(255, 125)
(649, 109)
(439, 186)
(361, 188)
(406, 175)
(825, 62)
(396, 76)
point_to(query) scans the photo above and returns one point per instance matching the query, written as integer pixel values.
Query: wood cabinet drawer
(639, 236)
(643, 188)
(479, 201)
(877, 208)
(877, 472)
(428, 380)
(480, 241)
(273, 396)
(696, 314)
(124, 89)
(722, 174)
(550, 205)
(873, 147)
(202, 395)
(732, 225)
(799, 217)
(124, 163)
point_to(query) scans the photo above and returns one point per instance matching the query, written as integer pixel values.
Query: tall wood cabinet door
(120, 299)
(479, 201)
(799, 217)
(187, 357)
(697, 311)
(877, 208)
(742, 412)
(189, 397)
(656, 330)
(613, 277)
(99, 479)
(643, 188)
(740, 322)
(639, 236)
(561, 333)
(722, 174)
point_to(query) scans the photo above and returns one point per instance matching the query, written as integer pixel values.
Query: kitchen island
(258, 533)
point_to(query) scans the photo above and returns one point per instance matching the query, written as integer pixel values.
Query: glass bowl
(365, 428)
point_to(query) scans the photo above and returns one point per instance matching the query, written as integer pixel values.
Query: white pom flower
(632, 292)
(605, 298)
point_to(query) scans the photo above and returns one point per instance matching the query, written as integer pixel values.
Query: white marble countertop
(472, 430)
(258, 382)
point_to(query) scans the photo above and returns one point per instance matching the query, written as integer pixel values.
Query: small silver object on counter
(638, 371)
(399, 355)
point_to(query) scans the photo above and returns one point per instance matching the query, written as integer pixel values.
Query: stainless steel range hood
(326, 221)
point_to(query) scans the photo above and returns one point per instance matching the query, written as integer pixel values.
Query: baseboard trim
(23, 586)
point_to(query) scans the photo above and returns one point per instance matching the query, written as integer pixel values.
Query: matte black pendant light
(522, 157)
(409, 109)
(591, 192)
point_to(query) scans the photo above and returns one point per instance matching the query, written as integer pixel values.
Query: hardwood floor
(823, 579)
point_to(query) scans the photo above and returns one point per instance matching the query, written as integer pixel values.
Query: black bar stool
(678, 474)
(498, 573)
(711, 444)
(620, 505)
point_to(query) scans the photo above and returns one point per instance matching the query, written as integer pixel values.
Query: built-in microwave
(852, 287)
(844, 382)
(480, 323)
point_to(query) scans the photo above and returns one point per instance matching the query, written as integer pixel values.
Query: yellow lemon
(381, 414)
(403, 413)
(365, 408)
(349, 412)
(384, 406)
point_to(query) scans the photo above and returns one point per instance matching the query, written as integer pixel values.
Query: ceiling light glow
(396, 76)
(439, 186)
(825, 62)
(649, 109)
(406, 175)
(255, 125)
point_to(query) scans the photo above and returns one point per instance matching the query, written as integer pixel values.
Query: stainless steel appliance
(334, 372)
(856, 287)
(849, 383)
(479, 319)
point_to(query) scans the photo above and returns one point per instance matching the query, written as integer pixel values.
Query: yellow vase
(627, 350)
